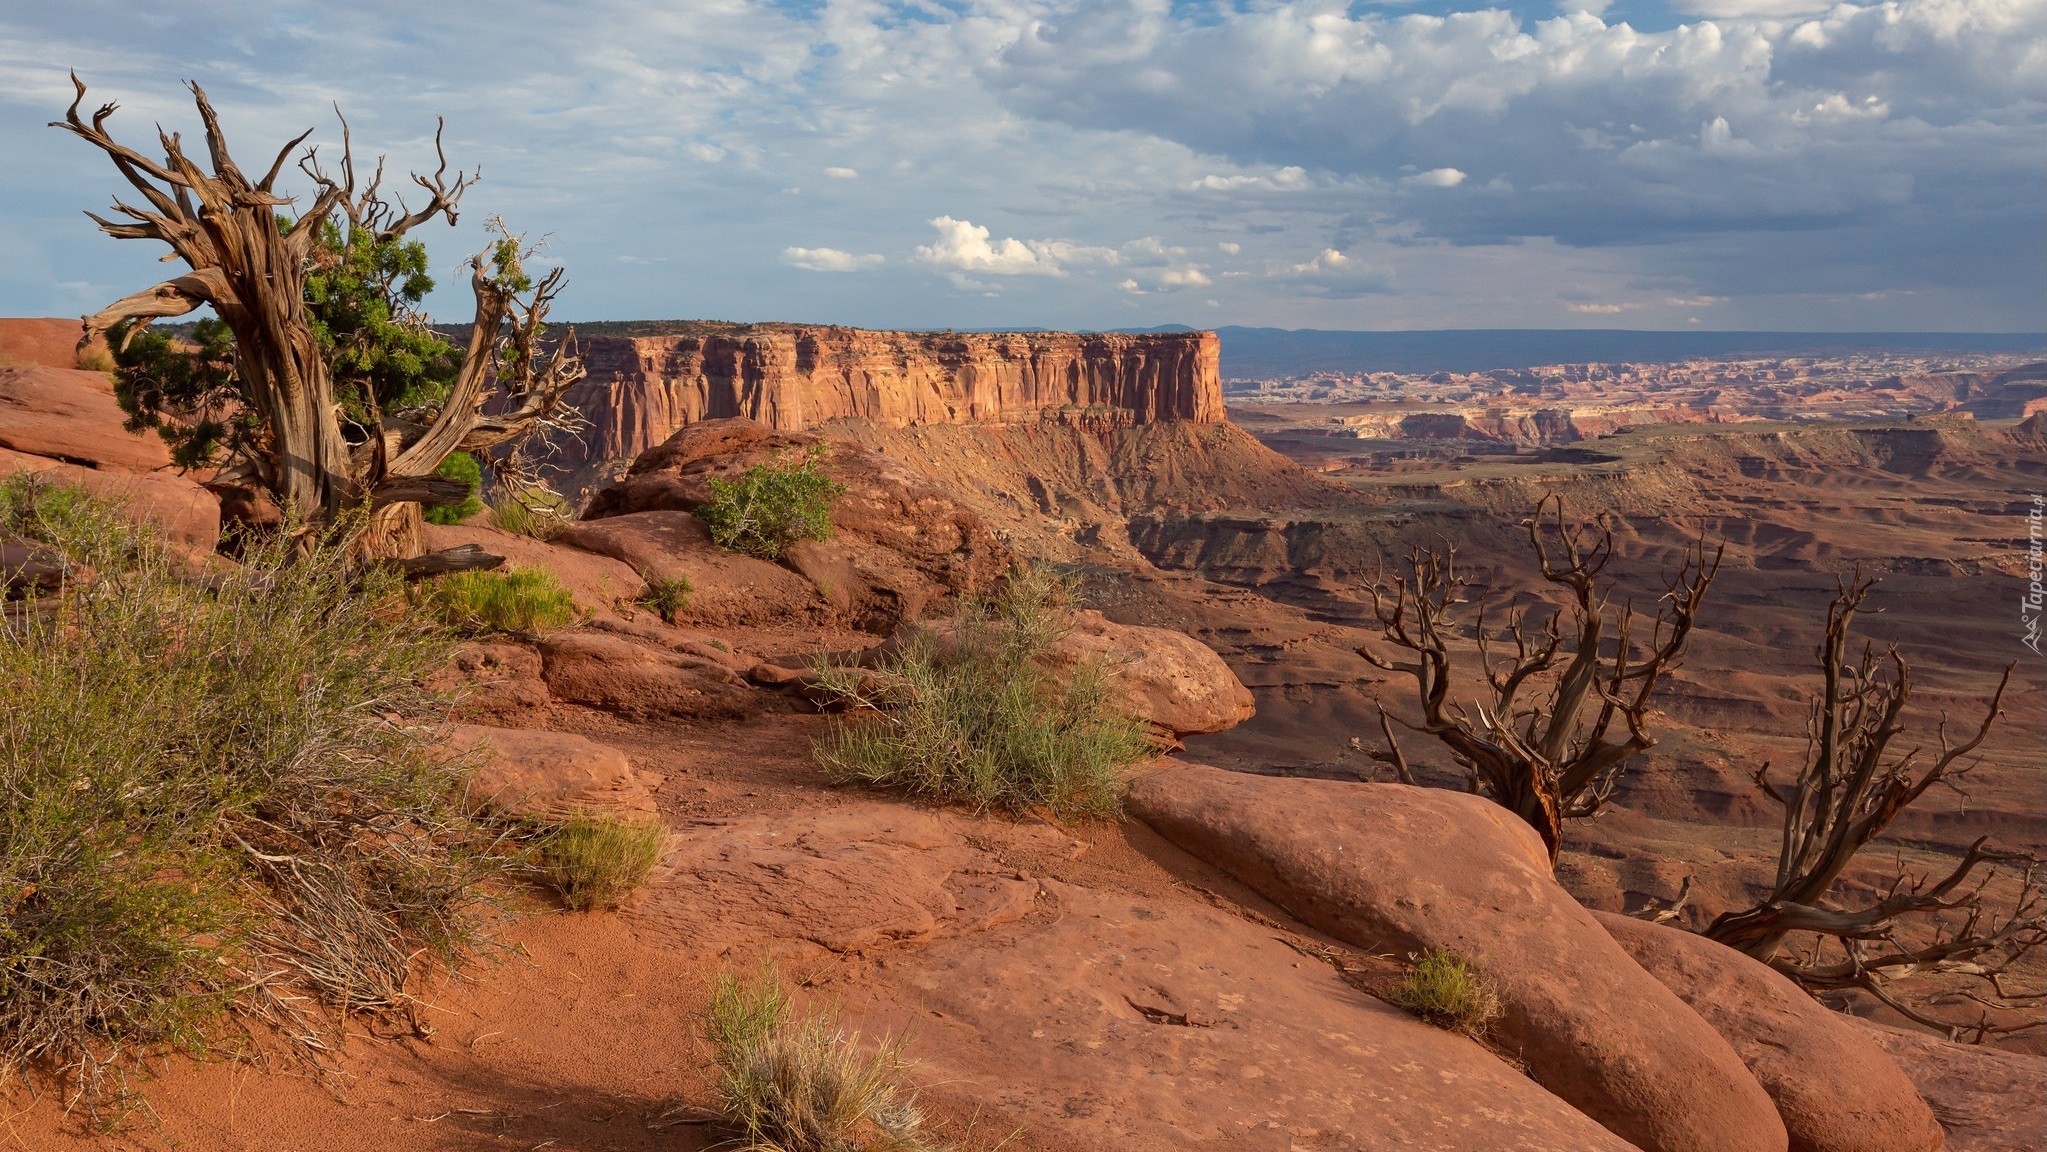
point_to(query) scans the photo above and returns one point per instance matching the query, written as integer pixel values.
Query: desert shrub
(458, 466)
(595, 862)
(668, 598)
(537, 512)
(978, 718)
(803, 1084)
(212, 795)
(96, 359)
(528, 600)
(1447, 991)
(772, 505)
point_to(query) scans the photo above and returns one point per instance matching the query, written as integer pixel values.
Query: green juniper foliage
(772, 505)
(362, 302)
(458, 466)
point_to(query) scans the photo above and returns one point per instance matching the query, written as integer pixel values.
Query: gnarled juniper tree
(319, 380)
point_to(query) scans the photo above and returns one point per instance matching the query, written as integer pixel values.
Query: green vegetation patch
(458, 466)
(669, 598)
(520, 600)
(213, 795)
(772, 505)
(978, 719)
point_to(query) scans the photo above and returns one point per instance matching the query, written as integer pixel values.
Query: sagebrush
(772, 505)
(520, 600)
(1449, 992)
(973, 712)
(595, 862)
(801, 1083)
(213, 794)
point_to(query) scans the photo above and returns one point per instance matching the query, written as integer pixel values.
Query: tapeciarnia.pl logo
(2036, 571)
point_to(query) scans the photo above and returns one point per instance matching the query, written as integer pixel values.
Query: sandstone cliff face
(641, 389)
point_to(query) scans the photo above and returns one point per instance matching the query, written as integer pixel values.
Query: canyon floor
(1093, 986)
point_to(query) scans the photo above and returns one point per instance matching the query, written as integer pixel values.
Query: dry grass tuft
(595, 862)
(804, 1084)
(1447, 991)
(213, 796)
(980, 720)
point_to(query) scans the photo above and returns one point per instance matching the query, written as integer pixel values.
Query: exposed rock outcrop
(1387, 867)
(1836, 1091)
(900, 541)
(641, 389)
(549, 775)
(1988, 1100)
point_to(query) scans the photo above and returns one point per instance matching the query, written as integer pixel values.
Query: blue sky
(1738, 164)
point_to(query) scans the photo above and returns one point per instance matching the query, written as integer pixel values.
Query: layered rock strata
(641, 389)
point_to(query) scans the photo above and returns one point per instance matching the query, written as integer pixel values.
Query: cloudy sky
(1760, 164)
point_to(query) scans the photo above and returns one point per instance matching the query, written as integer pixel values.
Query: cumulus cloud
(830, 260)
(838, 173)
(1609, 133)
(964, 246)
(1332, 273)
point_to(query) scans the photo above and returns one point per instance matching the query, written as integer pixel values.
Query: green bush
(540, 513)
(803, 1085)
(668, 598)
(212, 796)
(524, 600)
(1448, 992)
(772, 505)
(458, 466)
(978, 719)
(596, 861)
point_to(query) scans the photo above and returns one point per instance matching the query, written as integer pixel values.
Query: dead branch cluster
(1849, 790)
(1560, 715)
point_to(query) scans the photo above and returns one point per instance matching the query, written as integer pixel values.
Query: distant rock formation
(643, 388)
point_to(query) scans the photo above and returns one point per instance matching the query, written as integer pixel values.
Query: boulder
(72, 416)
(728, 588)
(1836, 1090)
(1166, 678)
(549, 775)
(900, 541)
(1392, 868)
(1988, 1100)
(608, 671)
(493, 681)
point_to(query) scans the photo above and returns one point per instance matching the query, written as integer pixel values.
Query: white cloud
(1437, 178)
(1333, 273)
(837, 173)
(830, 260)
(963, 245)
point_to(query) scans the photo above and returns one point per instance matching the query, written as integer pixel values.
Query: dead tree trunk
(250, 264)
(1559, 757)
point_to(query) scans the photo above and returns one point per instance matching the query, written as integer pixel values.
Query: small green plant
(537, 512)
(1445, 990)
(977, 717)
(772, 505)
(458, 466)
(595, 862)
(669, 598)
(527, 600)
(790, 1084)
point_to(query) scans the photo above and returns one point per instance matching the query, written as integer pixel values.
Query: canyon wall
(643, 387)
